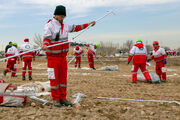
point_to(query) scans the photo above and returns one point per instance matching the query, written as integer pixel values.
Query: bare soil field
(116, 84)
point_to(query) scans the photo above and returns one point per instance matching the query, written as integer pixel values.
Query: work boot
(93, 68)
(163, 80)
(23, 78)
(30, 78)
(57, 104)
(5, 73)
(149, 81)
(65, 103)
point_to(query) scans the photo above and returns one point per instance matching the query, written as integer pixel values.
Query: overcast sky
(148, 20)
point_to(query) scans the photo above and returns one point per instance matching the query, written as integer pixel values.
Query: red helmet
(26, 40)
(77, 47)
(155, 43)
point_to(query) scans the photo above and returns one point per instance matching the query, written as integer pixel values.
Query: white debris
(110, 68)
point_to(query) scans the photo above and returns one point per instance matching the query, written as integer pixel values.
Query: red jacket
(55, 33)
(138, 53)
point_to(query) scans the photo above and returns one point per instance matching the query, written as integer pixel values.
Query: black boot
(57, 104)
(163, 80)
(65, 103)
(30, 78)
(149, 81)
(23, 78)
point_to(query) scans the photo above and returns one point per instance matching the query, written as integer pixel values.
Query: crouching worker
(159, 56)
(12, 66)
(56, 32)
(91, 54)
(77, 53)
(139, 55)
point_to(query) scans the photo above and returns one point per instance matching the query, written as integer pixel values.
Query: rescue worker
(77, 53)
(8, 46)
(139, 55)
(159, 56)
(55, 32)
(91, 54)
(27, 58)
(12, 66)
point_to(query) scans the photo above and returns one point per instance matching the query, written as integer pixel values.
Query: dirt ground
(116, 84)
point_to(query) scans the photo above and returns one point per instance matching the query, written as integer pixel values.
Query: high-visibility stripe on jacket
(139, 55)
(55, 32)
(159, 54)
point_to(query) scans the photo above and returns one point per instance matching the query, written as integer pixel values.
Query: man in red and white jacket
(159, 56)
(91, 53)
(12, 66)
(27, 58)
(55, 32)
(139, 55)
(77, 53)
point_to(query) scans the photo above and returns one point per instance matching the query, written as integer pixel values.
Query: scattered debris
(110, 68)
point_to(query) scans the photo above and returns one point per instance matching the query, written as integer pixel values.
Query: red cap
(26, 40)
(95, 46)
(155, 43)
(77, 47)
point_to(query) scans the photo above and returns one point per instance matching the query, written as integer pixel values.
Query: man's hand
(18, 62)
(44, 47)
(128, 63)
(92, 23)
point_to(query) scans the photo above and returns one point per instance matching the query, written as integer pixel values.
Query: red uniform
(27, 58)
(159, 56)
(91, 53)
(77, 52)
(139, 55)
(12, 66)
(55, 33)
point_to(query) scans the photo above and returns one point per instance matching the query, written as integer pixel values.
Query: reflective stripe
(131, 54)
(73, 28)
(27, 56)
(30, 70)
(24, 70)
(47, 42)
(140, 53)
(54, 87)
(144, 71)
(82, 27)
(48, 37)
(58, 51)
(134, 72)
(61, 39)
(159, 60)
(60, 85)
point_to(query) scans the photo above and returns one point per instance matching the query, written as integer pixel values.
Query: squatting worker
(56, 31)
